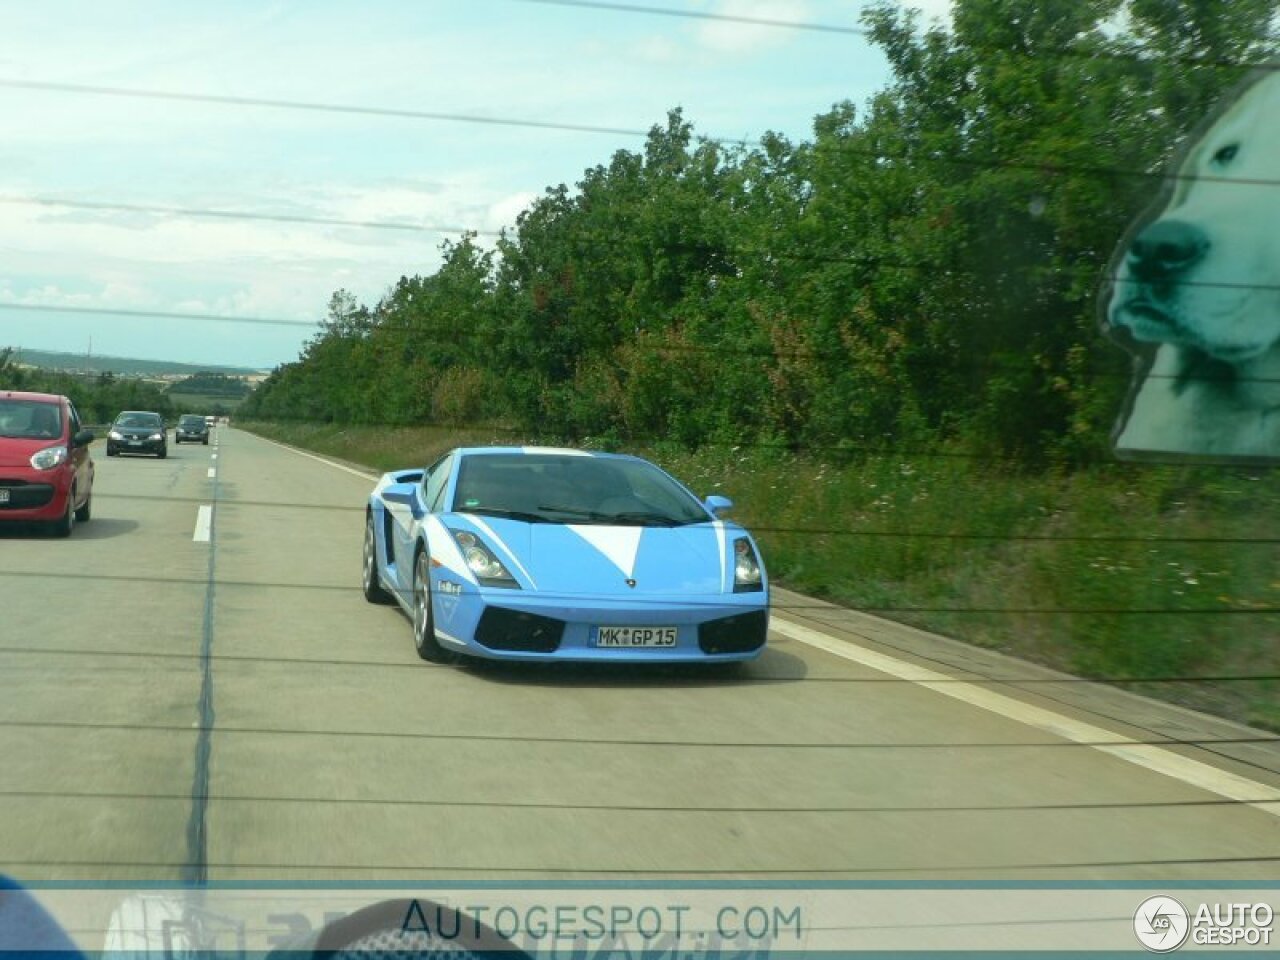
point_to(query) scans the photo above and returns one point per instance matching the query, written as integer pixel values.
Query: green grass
(1119, 573)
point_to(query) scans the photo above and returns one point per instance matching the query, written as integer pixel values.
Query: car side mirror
(718, 505)
(82, 439)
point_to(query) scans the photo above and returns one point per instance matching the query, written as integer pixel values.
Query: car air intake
(515, 630)
(740, 633)
(26, 496)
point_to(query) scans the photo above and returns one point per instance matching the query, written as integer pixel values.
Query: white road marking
(213, 472)
(362, 474)
(1157, 759)
(214, 457)
(204, 524)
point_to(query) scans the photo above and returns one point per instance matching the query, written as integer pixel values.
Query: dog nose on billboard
(1165, 249)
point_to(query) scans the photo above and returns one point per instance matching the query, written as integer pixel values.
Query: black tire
(373, 591)
(85, 513)
(164, 452)
(206, 441)
(111, 451)
(63, 527)
(424, 624)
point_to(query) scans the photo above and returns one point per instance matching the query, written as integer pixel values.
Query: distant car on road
(192, 429)
(46, 471)
(138, 431)
(210, 422)
(545, 554)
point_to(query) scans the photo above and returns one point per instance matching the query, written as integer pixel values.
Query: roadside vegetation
(883, 342)
(100, 397)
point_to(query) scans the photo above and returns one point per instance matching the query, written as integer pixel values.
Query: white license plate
(4, 495)
(135, 443)
(633, 636)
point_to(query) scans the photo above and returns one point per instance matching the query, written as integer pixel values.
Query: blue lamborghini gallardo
(529, 553)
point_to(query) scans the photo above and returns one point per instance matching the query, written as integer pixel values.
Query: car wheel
(111, 451)
(164, 452)
(64, 526)
(206, 441)
(424, 625)
(373, 591)
(85, 513)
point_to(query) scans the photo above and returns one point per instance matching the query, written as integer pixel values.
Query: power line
(706, 15)
(583, 741)
(381, 329)
(867, 32)
(869, 260)
(799, 531)
(513, 804)
(1171, 461)
(456, 868)
(154, 314)
(1234, 612)
(210, 213)
(673, 673)
(1046, 166)
(317, 107)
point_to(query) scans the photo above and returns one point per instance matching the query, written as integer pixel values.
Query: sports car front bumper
(505, 624)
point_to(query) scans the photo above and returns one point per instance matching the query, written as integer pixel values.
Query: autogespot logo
(1161, 924)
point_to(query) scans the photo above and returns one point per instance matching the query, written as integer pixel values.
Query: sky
(97, 189)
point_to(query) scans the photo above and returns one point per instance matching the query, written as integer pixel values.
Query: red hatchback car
(46, 472)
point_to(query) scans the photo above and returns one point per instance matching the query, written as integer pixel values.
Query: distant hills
(124, 366)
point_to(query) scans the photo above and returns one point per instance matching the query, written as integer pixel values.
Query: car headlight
(49, 457)
(746, 567)
(488, 569)
(157, 436)
(116, 435)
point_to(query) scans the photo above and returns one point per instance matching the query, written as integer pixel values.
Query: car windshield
(566, 488)
(30, 419)
(139, 420)
(191, 422)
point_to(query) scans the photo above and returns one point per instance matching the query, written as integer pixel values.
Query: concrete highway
(174, 707)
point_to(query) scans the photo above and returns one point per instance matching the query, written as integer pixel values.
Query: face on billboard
(1196, 293)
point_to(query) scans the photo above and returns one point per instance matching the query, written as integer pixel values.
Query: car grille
(502, 629)
(26, 496)
(740, 633)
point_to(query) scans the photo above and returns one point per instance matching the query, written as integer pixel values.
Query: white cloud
(656, 48)
(729, 37)
(503, 213)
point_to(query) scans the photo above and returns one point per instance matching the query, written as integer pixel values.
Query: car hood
(15, 452)
(600, 559)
